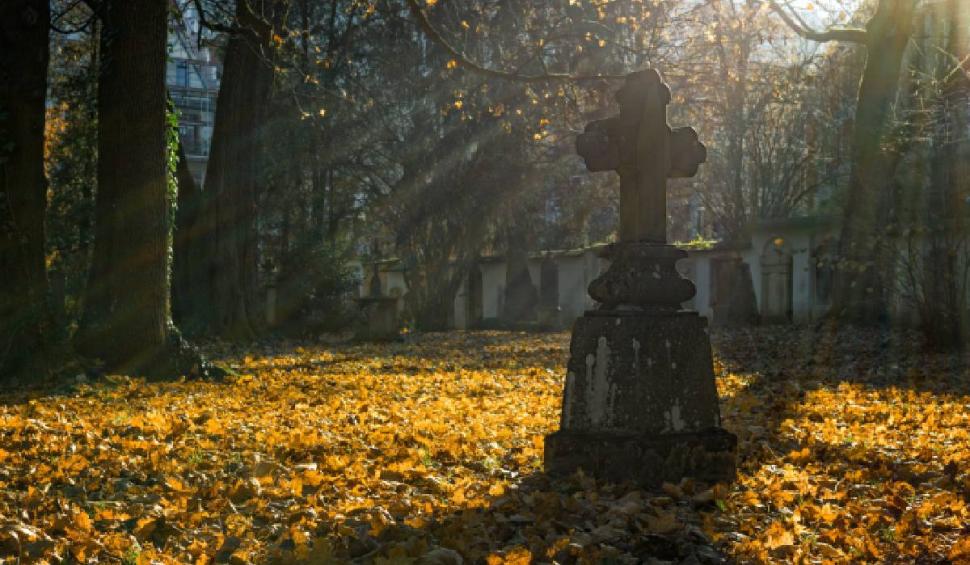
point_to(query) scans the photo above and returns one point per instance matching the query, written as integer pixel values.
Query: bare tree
(860, 293)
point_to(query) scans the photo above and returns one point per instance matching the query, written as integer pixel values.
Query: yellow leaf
(960, 552)
(82, 521)
(212, 426)
(777, 535)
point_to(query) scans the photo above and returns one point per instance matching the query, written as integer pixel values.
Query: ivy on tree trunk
(127, 312)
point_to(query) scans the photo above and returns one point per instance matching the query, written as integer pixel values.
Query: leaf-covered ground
(854, 448)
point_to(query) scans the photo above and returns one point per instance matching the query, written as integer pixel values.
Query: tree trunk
(127, 315)
(189, 274)
(860, 293)
(24, 54)
(231, 175)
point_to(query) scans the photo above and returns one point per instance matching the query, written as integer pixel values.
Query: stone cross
(645, 151)
(640, 401)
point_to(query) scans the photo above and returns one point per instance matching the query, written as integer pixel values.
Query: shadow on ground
(852, 442)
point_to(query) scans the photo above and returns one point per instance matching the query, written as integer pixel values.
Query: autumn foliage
(430, 450)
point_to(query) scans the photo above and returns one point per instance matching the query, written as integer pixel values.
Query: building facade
(192, 76)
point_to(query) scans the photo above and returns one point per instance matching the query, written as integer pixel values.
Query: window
(195, 81)
(182, 73)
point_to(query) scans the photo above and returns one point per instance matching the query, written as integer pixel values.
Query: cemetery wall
(789, 263)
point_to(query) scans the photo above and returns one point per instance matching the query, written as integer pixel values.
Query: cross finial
(640, 146)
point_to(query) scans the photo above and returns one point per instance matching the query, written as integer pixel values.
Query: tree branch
(847, 35)
(463, 60)
(96, 6)
(212, 26)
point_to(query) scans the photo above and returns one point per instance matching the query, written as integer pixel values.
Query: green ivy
(171, 176)
(172, 157)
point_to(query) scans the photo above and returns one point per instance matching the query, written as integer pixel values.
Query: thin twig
(801, 27)
(464, 61)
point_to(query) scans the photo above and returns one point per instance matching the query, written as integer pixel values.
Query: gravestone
(640, 402)
(380, 313)
(521, 295)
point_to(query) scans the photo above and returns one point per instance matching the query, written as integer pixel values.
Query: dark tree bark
(189, 280)
(24, 54)
(127, 314)
(860, 293)
(231, 175)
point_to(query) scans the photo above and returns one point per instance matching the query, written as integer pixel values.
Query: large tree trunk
(127, 315)
(189, 274)
(24, 54)
(231, 174)
(860, 293)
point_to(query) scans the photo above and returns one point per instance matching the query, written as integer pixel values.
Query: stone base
(380, 323)
(640, 402)
(646, 459)
(641, 372)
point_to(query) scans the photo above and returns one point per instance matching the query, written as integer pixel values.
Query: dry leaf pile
(430, 452)
(854, 448)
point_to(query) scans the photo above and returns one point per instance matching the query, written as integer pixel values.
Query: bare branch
(213, 26)
(463, 60)
(801, 27)
(96, 6)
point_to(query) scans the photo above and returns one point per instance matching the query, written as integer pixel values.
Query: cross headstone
(640, 146)
(640, 402)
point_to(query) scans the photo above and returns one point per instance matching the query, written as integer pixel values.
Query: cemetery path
(852, 449)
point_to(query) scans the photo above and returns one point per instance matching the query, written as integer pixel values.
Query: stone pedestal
(381, 323)
(640, 401)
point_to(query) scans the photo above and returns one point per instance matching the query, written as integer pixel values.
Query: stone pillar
(640, 402)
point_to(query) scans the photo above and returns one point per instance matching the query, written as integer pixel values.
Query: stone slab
(646, 459)
(640, 372)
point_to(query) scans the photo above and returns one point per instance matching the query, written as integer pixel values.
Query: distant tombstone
(380, 313)
(640, 402)
(549, 313)
(521, 295)
(375, 282)
(776, 282)
(733, 299)
(742, 307)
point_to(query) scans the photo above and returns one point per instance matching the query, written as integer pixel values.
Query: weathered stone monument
(640, 401)
(380, 313)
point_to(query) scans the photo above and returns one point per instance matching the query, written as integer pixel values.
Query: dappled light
(324, 454)
(494, 282)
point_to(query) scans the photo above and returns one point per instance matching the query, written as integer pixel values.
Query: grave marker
(640, 401)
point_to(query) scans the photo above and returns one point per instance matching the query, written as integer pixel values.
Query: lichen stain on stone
(567, 412)
(636, 358)
(673, 420)
(601, 392)
(588, 393)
